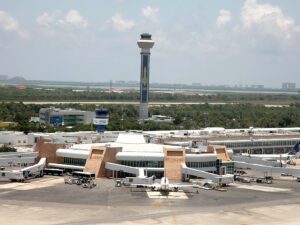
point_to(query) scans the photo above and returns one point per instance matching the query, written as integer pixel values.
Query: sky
(209, 42)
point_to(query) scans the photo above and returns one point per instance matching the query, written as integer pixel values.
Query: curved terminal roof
(131, 138)
(155, 156)
(200, 157)
(72, 153)
(133, 148)
(142, 147)
(140, 156)
(65, 166)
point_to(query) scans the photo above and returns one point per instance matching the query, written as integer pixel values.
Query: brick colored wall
(220, 150)
(173, 160)
(47, 150)
(110, 156)
(95, 162)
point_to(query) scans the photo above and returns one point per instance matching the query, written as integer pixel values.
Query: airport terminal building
(210, 153)
(251, 140)
(130, 155)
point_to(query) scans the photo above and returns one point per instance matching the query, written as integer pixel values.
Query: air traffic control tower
(145, 43)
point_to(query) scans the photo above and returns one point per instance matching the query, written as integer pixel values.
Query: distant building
(197, 84)
(65, 117)
(288, 86)
(257, 86)
(34, 119)
(160, 118)
(13, 138)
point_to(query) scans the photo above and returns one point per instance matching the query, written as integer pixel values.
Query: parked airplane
(165, 187)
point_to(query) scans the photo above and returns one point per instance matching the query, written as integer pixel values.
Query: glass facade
(155, 164)
(144, 164)
(201, 164)
(257, 143)
(72, 120)
(76, 162)
(157, 174)
(229, 166)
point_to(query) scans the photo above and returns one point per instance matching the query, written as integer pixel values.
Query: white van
(131, 181)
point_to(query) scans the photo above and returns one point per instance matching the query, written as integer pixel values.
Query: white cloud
(72, 19)
(121, 24)
(8, 23)
(262, 29)
(266, 19)
(46, 19)
(150, 13)
(224, 18)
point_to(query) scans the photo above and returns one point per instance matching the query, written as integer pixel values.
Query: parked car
(89, 184)
(245, 180)
(68, 180)
(285, 175)
(71, 180)
(259, 180)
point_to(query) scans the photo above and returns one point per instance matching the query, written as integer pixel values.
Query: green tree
(6, 148)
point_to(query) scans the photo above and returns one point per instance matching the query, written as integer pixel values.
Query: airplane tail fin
(295, 149)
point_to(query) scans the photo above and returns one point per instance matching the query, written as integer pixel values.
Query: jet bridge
(267, 169)
(139, 172)
(260, 161)
(23, 174)
(222, 179)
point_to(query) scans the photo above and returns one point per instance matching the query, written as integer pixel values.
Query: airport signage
(97, 121)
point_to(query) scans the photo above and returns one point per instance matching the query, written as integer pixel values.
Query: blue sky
(208, 42)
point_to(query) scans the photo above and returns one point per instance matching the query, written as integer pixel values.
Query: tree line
(124, 117)
(8, 93)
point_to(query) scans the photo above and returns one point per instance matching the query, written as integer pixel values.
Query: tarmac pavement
(49, 201)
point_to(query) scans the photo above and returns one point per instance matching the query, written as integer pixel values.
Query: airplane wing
(190, 186)
(144, 185)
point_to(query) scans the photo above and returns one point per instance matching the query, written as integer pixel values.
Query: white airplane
(267, 156)
(165, 187)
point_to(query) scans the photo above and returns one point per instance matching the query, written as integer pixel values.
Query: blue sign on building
(56, 120)
(101, 119)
